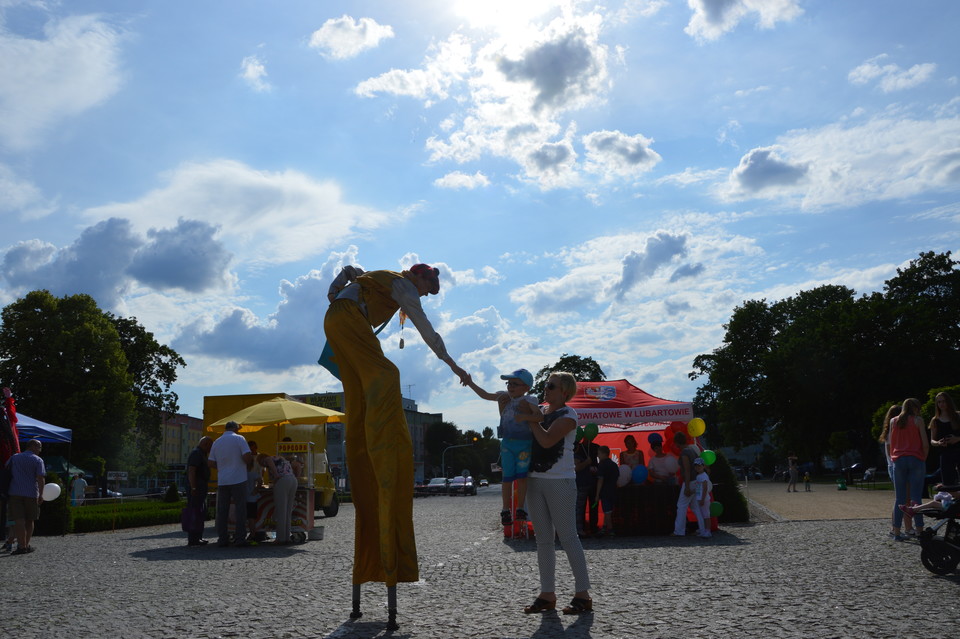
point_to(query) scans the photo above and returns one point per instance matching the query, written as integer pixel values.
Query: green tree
(583, 368)
(812, 368)
(153, 367)
(73, 365)
(735, 391)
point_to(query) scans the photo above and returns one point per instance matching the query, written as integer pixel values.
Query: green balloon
(591, 430)
(579, 433)
(716, 509)
(708, 457)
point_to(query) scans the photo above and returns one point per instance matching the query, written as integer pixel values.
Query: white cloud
(637, 266)
(75, 67)
(267, 217)
(343, 37)
(448, 64)
(846, 164)
(890, 77)
(94, 264)
(22, 197)
(109, 259)
(713, 18)
(519, 90)
(457, 180)
(291, 336)
(615, 154)
(187, 257)
(254, 73)
(763, 169)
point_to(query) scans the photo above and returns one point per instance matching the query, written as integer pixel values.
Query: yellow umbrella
(277, 411)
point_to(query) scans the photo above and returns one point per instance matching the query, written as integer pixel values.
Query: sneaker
(505, 518)
(896, 536)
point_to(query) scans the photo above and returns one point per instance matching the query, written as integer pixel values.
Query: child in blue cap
(516, 440)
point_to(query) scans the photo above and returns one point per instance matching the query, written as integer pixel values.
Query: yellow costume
(379, 448)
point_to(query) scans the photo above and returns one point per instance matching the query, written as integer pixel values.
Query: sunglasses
(515, 383)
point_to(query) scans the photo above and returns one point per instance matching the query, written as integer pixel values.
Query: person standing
(908, 449)
(379, 447)
(663, 466)
(9, 446)
(254, 484)
(516, 408)
(230, 454)
(26, 493)
(687, 493)
(552, 496)
(792, 471)
(198, 476)
(945, 434)
(78, 491)
(585, 465)
(607, 474)
(283, 481)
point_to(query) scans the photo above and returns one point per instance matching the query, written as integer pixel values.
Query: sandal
(521, 514)
(579, 606)
(540, 605)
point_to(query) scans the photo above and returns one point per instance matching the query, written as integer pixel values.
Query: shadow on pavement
(550, 626)
(212, 552)
(720, 538)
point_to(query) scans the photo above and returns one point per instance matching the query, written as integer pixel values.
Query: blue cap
(654, 439)
(522, 374)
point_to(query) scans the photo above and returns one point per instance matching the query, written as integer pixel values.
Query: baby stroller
(941, 555)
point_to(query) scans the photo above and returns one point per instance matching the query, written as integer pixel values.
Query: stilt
(356, 614)
(392, 608)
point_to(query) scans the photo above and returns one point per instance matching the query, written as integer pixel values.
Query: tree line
(813, 370)
(105, 377)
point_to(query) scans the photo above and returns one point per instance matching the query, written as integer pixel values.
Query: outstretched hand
(459, 372)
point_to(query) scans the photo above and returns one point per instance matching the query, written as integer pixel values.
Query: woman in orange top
(908, 450)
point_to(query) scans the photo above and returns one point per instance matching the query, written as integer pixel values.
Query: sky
(608, 180)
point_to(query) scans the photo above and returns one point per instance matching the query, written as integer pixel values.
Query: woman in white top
(552, 497)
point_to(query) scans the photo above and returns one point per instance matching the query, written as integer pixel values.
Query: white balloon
(51, 492)
(626, 474)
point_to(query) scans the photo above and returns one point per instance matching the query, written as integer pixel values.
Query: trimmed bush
(726, 490)
(125, 515)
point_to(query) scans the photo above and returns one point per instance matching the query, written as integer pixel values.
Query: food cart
(270, 423)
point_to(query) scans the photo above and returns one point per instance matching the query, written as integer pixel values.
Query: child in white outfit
(701, 491)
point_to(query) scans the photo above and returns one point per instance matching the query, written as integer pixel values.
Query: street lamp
(443, 455)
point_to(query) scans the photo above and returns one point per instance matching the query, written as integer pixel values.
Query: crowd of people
(240, 469)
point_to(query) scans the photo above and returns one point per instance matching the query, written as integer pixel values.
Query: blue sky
(607, 180)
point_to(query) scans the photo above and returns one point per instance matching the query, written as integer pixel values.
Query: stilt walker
(379, 448)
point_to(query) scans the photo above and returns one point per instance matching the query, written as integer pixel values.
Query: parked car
(437, 486)
(462, 486)
(484, 482)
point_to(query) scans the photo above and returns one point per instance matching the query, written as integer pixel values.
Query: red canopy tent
(619, 408)
(620, 402)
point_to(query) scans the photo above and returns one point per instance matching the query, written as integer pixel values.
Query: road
(795, 579)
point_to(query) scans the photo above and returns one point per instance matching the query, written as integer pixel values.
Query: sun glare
(503, 15)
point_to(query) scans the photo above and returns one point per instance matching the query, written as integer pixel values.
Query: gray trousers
(225, 494)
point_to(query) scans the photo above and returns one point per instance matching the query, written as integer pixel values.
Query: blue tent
(30, 428)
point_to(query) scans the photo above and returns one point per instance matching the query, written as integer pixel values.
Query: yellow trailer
(311, 440)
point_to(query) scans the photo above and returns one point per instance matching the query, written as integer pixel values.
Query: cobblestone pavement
(829, 578)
